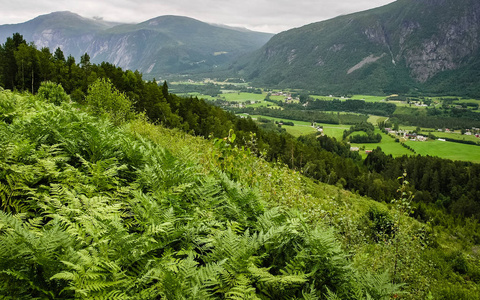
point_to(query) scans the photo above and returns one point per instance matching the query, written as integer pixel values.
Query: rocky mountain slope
(406, 45)
(167, 44)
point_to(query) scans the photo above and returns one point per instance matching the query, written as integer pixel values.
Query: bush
(52, 92)
(104, 98)
(379, 223)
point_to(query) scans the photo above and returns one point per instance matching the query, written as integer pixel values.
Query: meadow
(300, 128)
(448, 150)
(388, 145)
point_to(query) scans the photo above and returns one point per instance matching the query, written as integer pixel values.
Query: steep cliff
(406, 45)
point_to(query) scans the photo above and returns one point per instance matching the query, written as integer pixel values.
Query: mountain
(167, 44)
(173, 44)
(430, 45)
(69, 31)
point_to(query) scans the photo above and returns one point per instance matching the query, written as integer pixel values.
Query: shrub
(52, 92)
(379, 223)
(104, 98)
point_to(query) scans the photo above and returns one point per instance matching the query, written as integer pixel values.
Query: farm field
(368, 98)
(241, 97)
(388, 145)
(375, 119)
(300, 128)
(448, 150)
(439, 134)
(334, 130)
(454, 135)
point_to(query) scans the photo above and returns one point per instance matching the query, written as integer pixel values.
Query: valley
(178, 159)
(460, 144)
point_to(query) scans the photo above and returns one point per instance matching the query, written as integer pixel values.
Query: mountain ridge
(161, 45)
(413, 43)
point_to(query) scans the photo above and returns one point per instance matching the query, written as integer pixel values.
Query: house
(412, 135)
(421, 138)
(354, 149)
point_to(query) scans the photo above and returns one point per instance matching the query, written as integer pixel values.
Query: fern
(29, 256)
(378, 286)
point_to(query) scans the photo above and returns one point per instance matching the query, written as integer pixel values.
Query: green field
(333, 130)
(375, 119)
(448, 150)
(368, 98)
(388, 145)
(241, 97)
(354, 97)
(300, 128)
(454, 135)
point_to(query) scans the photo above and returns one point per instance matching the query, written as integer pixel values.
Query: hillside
(163, 45)
(430, 45)
(98, 202)
(136, 211)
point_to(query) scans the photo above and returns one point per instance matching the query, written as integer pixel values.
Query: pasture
(448, 150)
(300, 128)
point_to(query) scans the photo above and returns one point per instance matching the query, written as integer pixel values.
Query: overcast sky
(261, 15)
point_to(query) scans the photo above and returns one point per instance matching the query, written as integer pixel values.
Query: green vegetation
(388, 145)
(305, 115)
(97, 201)
(368, 137)
(93, 210)
(299, 128)
(448, 150)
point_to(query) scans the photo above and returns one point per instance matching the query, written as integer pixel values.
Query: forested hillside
(407, 46)
(97, 201)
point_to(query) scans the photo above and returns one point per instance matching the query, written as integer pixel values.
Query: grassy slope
(423, 267)
(321, 205)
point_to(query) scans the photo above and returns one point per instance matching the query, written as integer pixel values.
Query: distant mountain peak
(162, 45)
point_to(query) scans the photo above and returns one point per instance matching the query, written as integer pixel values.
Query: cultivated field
(449, 150)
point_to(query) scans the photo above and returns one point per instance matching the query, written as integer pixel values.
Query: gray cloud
(263, 15)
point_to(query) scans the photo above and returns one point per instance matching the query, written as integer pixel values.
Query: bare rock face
(447, 49)
(398, 47)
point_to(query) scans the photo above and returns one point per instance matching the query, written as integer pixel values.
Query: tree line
(306, 115)
(357, 106)
(369, 137)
